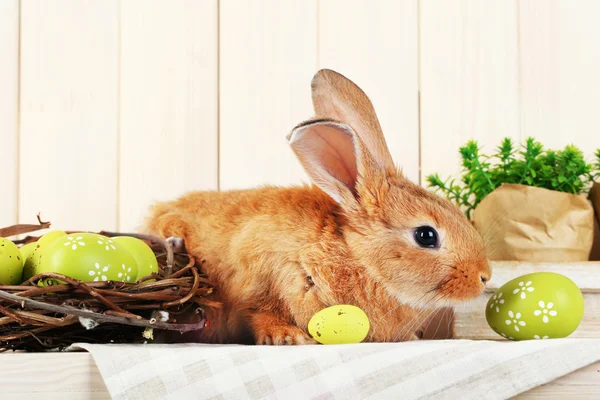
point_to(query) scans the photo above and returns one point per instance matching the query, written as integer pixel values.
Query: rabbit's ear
(332, 155)
(336, 97)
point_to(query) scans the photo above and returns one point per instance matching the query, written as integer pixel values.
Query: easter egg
(89, 257)
(143, 254)
(340, 324)
(32, 261)
(541, 305)
(11, 266)
(26, 251)
(50, 237)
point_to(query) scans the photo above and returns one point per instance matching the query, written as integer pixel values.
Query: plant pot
(525, 223)
(595, 199)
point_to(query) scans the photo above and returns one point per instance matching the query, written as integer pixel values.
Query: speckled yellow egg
(541, 305)
(11, 265)
(143, 254)
(340, 324)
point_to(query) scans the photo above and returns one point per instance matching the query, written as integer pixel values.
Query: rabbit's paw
(269, 330)
(283, 335)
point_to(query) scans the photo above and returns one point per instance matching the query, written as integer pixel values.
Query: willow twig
(81, 285)
(189, 295)
(191, 263)
(19, 335)
(162, 283)
(163, 295)
(20, 229)
(100, 317)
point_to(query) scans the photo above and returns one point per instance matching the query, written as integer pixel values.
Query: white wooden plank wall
(560, 64)
(268, 54)
(168, 120)
(109, 105)
(9, 100)
(68, 112)
(469, 78)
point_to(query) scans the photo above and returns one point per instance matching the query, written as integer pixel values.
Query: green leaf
(530, 163)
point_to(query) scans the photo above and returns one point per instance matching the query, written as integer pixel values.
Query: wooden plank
(560, 60)
(469, 78)
(375, 43)
(583, 384)
(57, 376)
(586, 275)
(169, 126)
(9, 100)
(267, 60)
(69, 97)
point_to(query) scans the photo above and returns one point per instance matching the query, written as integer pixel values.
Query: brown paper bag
(525, 223)
(595, 199)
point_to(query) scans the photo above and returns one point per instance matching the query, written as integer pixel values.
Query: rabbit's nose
(484, 277)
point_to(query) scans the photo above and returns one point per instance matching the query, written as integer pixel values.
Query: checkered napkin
(448, 369)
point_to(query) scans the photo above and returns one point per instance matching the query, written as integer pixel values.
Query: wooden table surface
(75, 376)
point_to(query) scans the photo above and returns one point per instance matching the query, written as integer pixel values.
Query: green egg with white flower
(89, 257)
(143, 254)
(540, 305)
(11, 265)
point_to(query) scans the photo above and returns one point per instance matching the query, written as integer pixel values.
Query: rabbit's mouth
(460, 287)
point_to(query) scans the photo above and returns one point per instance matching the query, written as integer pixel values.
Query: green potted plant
(530, 203)
(595, 199)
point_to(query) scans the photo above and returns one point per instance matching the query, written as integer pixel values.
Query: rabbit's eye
(426, 236)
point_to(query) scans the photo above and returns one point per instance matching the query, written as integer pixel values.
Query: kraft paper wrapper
(595, 199)
(525, 223)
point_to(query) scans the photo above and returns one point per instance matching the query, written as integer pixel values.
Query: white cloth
(450, 369)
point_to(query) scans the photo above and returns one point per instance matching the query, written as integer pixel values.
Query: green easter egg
(32, 262)
(89, 257)
(541, 305)
(11, 266)
(26, 251)
(50, 237)
(143, 254)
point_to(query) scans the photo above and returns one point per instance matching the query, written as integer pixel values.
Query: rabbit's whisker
(416, 319)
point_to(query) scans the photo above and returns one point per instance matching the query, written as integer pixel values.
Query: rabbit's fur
(279, 255)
